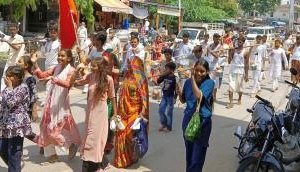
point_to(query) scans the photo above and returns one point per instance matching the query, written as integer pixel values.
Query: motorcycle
(257, 149)
(291, 149)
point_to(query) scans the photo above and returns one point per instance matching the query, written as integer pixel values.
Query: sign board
(168, 11)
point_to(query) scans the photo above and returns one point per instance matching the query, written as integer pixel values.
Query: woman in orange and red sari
(133, 103)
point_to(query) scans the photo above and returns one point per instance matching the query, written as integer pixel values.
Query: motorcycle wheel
(290, 151)
(249, 165)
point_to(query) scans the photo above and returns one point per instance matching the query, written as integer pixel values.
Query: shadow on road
(166, 150)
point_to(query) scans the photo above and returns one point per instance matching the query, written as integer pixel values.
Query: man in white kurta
(16, 50)
(256, 61)
(82, 35)
(115, 42)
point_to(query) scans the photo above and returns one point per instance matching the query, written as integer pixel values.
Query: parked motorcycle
(257, 149)
(291, 149)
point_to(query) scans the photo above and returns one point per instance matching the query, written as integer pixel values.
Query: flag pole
(77, 43)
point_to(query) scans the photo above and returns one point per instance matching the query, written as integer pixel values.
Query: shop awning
(114, 6)
(171, 11)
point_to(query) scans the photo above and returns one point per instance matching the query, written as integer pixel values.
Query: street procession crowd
(116, 80)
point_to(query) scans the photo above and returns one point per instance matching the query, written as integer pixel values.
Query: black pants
(11, 152)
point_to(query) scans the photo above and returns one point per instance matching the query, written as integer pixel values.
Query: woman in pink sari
(58, 127)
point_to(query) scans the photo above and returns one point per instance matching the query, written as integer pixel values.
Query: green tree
(207, 10)
(86, 9)
(261, 6)
(17, 7)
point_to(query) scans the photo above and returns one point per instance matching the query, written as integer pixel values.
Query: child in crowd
(277, 57)
(168, 58)
(167, 102)
(25, 63)
(101, 88)
(14, 118)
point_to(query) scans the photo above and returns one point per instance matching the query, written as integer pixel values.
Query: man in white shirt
(184, 49)
(266, 49)
(115, 42)
(204, 44)
(50, 51)
(51, 48)
(214, 51)
(287, 45)
(256, 61)
(16, 50)
(130, 51)
(147, 24)
(82, 35)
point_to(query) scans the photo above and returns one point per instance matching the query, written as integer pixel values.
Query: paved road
(166, 152)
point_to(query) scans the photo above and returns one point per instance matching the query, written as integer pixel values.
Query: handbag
(193, 129)
(140, 140)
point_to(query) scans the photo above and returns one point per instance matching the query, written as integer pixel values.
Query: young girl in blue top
(198, 87)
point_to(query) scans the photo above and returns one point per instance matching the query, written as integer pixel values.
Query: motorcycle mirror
(293, 71)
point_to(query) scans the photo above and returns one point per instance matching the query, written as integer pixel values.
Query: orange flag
(68, 17)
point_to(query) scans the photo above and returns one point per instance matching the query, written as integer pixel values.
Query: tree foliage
(86, 8)
(17, 7)
(207, 10)
(261, 6)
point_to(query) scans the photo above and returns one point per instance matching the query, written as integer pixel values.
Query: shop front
(110, 14)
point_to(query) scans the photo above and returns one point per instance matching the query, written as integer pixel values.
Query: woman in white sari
(58, 127)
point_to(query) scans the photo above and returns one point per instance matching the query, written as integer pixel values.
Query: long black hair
(205, 64)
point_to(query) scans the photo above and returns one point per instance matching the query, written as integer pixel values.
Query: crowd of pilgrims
(116, 82)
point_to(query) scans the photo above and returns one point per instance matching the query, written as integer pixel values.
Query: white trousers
(256, 75)
(275, 83)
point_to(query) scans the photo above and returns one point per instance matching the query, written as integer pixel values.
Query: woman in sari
(58, 127)
(133, 103)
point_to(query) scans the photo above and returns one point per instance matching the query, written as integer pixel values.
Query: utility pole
(291, 15)
(180, 17)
